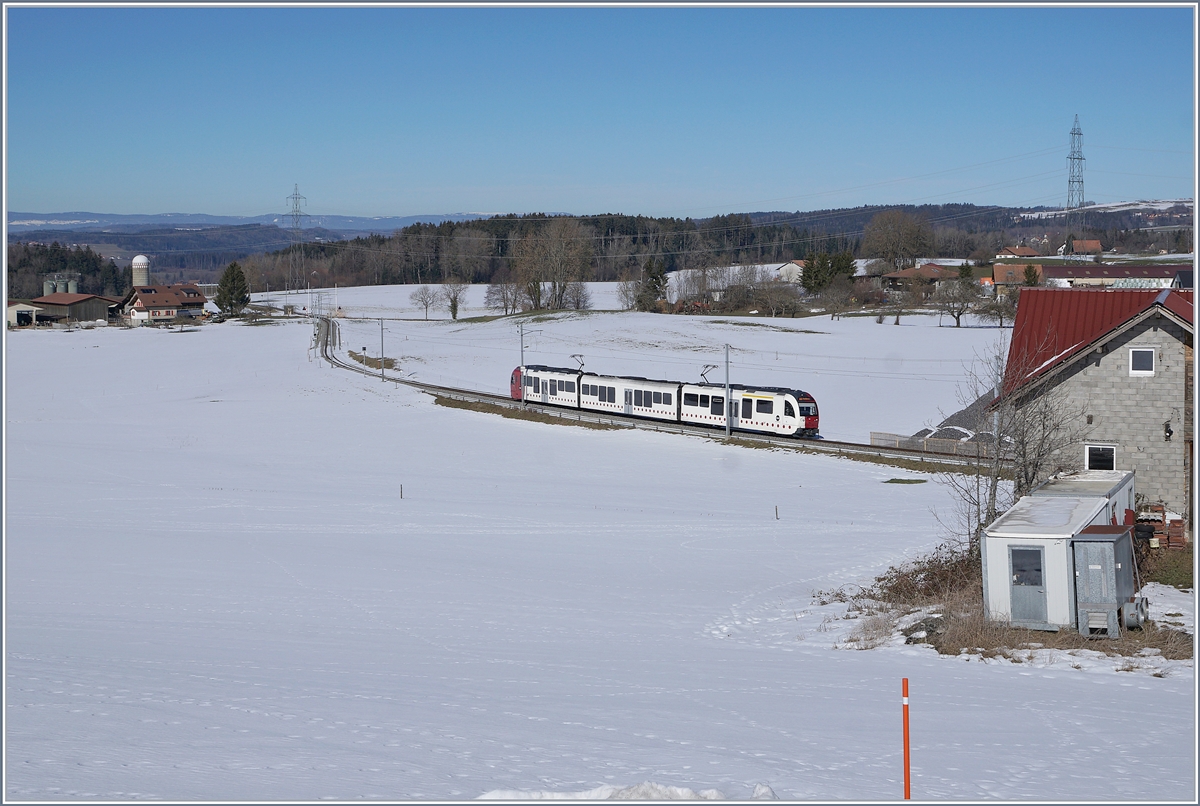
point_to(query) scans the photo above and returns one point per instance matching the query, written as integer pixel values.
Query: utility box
(1028, 563)
(1106, 581)
(1115, 485)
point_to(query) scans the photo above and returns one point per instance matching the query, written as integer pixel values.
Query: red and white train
(770, 410)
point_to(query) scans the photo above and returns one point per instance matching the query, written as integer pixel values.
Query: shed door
(1026, 566)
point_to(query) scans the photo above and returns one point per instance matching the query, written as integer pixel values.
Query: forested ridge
(615, 244)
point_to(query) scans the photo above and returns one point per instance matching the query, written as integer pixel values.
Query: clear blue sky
(660, 111)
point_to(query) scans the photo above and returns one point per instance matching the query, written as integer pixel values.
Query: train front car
(514, 385)
(810, 417)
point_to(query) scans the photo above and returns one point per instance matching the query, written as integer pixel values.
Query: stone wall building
(1124, 360)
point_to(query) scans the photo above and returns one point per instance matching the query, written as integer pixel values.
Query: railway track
(325, 334)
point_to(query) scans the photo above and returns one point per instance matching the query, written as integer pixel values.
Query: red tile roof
(1107, 271)
(63, 298)
(1054, 325)
(167, 296)
(1021, 251)
(927, 271)
(1080, 246)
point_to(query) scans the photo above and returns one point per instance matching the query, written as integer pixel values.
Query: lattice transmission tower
(1075, 181)
(297, 215)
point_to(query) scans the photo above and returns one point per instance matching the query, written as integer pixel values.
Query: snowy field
(214, 590)
(865, 376)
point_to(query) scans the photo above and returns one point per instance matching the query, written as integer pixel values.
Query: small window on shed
(765, 406)
(1141, 361)
(1101, 457)
(1027, 567)
(690, 399)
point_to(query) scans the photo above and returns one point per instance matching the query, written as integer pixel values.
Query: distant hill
(74, 222)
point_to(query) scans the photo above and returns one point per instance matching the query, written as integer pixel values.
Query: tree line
(29, 263)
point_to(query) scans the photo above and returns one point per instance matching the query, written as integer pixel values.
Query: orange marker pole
(907, 773)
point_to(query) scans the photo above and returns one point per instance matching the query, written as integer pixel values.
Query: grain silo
(141, 270)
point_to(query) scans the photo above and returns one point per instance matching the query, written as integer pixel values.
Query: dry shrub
(940, 576)
(873, 630)
(1167, 566)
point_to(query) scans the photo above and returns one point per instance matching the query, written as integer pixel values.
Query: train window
(570, 386)
(637, 397)
(747, 408)
(704, 401)
(718, 403)
(666, 398)
(788, 411)
(553, 387)
(807, 410)
(765, 406)
(528, 380)
(612, 394)
(658, 398)
(543, 387)
(690, 399)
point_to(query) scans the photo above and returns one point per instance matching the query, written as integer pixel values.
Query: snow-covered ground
(215, 591)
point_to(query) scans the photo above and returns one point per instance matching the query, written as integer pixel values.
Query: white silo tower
(141, 270)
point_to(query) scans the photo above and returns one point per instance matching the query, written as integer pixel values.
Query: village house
(1010, 252)
(148, 304)
(927, 276)
(1124, 360)
(1081, 246)
(792, 271)
(1007, 275)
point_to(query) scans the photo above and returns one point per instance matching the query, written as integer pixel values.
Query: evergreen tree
(232, 292)
(653, 285)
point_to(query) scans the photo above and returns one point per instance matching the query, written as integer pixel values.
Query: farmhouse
(1101, 275)
(66, 307)
(1007, 275)
(1123, 358)
(147, 304)
(1009, 252)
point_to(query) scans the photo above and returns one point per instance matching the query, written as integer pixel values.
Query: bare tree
(451, 294)
(837, 297)
(503, 294)
(628, 288)
(776, 295)
(897, 237)
(425, 297)
(955, 299)
(577, 297)
(1023, 433)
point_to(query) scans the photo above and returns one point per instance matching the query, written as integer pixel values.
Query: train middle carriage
(635, 397)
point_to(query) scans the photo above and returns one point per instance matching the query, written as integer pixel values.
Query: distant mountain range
(112, 222)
